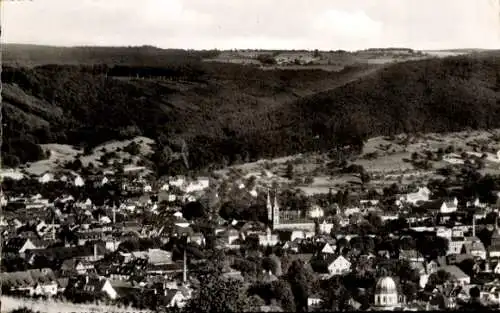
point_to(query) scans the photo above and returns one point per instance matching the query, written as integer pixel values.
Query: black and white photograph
(177, 156)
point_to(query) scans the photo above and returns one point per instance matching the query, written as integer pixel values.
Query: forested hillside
(225, 113)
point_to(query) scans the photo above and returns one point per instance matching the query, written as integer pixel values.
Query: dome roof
(386, 285)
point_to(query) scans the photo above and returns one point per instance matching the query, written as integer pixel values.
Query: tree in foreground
(217, 294)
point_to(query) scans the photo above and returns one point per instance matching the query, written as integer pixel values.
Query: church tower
(276, 210)
(269, 207)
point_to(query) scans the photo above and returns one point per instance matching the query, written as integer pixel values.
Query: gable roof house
(328, 249)
(27, 281)
(457, 274)
(339, 266)
(72, 267)
(93, 285)
(449, 206)
(20, 245)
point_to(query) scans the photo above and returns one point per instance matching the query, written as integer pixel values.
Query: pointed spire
(276, 210)
(269, 207)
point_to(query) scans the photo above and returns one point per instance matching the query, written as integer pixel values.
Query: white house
(496, 270)
(314, 301)
(78, 182)
(339, 266)
(45, 289)
(456, 242)
(100, 285)
(443, 232)
(449, 206)
(45, 178)
(325, 227)
(109, 290)
(27, 245)
(147, 188)
(104, 181)
(479, 204)
(198, 185)
(316, 212)
(328, 249)
(177, 182)
(253, 193)
(175, 298)
(165, 187)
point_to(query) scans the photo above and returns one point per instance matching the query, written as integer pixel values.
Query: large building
(291, 220)
(386, 295)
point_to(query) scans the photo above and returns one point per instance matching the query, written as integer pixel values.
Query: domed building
(386, 294)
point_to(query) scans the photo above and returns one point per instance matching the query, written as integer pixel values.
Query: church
(386, 295)
(291, 220)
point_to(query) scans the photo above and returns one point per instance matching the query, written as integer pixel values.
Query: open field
(52, 306)
(60, 154)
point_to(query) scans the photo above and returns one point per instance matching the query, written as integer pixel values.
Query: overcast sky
(266, 24)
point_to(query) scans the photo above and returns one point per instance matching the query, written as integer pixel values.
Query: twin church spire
(273, 210)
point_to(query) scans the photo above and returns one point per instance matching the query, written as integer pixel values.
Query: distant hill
(26, 55)
(223, 113)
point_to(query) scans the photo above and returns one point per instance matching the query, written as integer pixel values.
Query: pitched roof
(455, 271)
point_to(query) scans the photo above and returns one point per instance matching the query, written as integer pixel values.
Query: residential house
(339, 266)
(314, 301)
(46, 178)
(494, 248)
(20, 245)
(96, 285)
(411, 255)
(496, 268)
(449, 206)
(456, 244)
(75, 266)
(28, 281)
(328, 249)
(197, 238)
(48, 289)
(78, 181)
(175, 298)
(475, 247)
(291, 245)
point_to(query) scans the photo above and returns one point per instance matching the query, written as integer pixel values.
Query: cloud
(293, 24)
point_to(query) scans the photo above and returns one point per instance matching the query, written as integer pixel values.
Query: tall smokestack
(474, 225)
(53, 230)
(184, 270)
(114, 215)
(95, 251)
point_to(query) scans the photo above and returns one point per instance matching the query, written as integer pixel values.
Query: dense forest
(225, 113)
